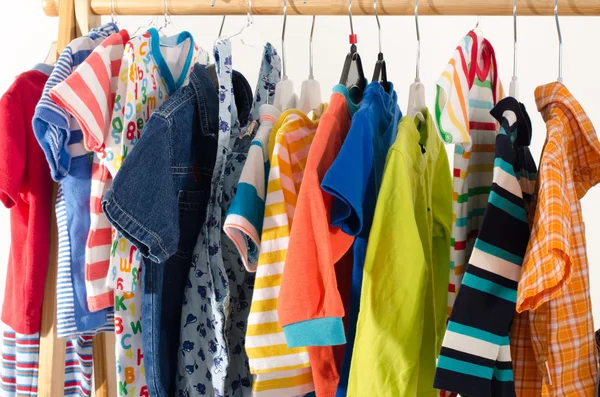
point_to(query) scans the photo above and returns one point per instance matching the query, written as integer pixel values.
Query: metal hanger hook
(350, 16)
(515, 40)
(310, 50)
(249, 17)
(418, 66)
(378, 24)
(560, 43)
(112, 11)
(283, 60)
(166, 12)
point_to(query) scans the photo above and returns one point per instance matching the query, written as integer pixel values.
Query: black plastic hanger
(353, 64)
(380, 72)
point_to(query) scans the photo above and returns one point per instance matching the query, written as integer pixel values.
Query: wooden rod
(338, 7)
(51, 372)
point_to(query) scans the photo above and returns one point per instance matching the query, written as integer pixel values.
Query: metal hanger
(514, 84)
(353, 61)
(380, 72)
(113, 18)
(167, 18)
(212, 4)
(560, 44)
(284, 90)
(310, 93)
(416, 93)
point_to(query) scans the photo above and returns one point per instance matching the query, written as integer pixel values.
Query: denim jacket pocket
(192, 212)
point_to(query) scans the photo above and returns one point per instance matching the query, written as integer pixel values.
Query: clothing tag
(548, 373)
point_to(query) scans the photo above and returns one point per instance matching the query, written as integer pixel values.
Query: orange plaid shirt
(552, 340)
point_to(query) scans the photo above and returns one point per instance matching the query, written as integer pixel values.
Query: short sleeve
(395, 270)
(88, 93)
(547, 265)
(313, 319)
(13, 149)
(243, 224)
(347, 178)
(452, 94)
(140, 203)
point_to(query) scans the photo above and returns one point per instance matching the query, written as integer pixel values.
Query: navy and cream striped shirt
(475, 356)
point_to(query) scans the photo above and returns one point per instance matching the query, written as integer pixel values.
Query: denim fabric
(177, 154)
(76, 187)
(213, 360)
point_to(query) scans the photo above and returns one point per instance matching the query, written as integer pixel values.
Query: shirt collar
(514, 120)
(576, 135)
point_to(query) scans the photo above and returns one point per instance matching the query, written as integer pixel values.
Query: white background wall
(26, 34)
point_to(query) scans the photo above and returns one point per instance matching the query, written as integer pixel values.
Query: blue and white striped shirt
(57, 132)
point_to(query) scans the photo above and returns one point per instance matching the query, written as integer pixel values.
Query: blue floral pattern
(213, 360)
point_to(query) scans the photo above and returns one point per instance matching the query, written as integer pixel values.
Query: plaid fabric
(552, 343)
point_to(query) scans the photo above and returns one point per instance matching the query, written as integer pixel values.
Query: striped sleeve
(89, 92)
(475, 356)
(243, 224)
(452, 101)
(52, 124)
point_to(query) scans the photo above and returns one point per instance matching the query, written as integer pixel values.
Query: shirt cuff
(327, 331)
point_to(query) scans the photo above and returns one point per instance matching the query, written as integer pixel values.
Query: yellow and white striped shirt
(278, 370)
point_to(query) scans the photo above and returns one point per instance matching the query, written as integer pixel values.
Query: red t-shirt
(25, 188)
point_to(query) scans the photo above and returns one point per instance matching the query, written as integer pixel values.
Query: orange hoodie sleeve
(310, 306)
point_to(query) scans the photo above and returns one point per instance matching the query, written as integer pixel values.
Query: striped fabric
(475, 356)
(20, 365)
(20, 362)
(279, 371)
(65, 324)
(57, 132)
(78, 366)
(88, 94)
(552, 341)
(244, 221)
(466, 92)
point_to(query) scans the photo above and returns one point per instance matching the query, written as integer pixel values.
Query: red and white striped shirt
(89, 95)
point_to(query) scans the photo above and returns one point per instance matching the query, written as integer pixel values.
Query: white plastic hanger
(416, 93)
(560, 44)
(310, 93)
(284, 90)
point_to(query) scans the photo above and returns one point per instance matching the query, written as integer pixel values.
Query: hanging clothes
(218, 291)
(552, 340)
(475, 356)
(467, 90)
(177, 149)
(59, 135)
(83, 95)
(279, 370)
(354, 180)
(244, 221)
(26, 189)
(156, 67)
(319, 258)
(400, 324)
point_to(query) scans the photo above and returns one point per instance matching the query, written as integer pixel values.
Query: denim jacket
(158, 201)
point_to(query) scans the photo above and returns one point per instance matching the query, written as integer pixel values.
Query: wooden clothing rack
(77, 17)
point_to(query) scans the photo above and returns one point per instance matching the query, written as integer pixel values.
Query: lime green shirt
(403, 301)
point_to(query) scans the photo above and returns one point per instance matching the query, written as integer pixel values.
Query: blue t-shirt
(354, 180)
